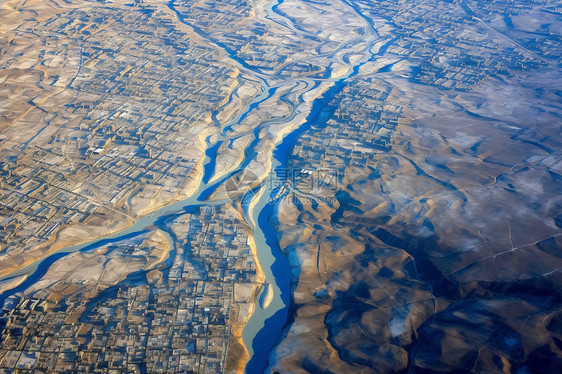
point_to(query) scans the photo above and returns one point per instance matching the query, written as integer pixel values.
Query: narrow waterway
(266, 325)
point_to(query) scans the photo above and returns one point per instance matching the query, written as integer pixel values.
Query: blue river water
(46, 263)
(268, 335)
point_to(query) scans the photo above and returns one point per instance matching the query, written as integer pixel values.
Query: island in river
(280, 186)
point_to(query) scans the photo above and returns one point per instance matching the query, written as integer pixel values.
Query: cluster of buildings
(177, 318)
(360, 129)
(451, 47)
(439, 45)
(143, 105)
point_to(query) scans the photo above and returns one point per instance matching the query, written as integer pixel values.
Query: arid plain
(399, 162)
